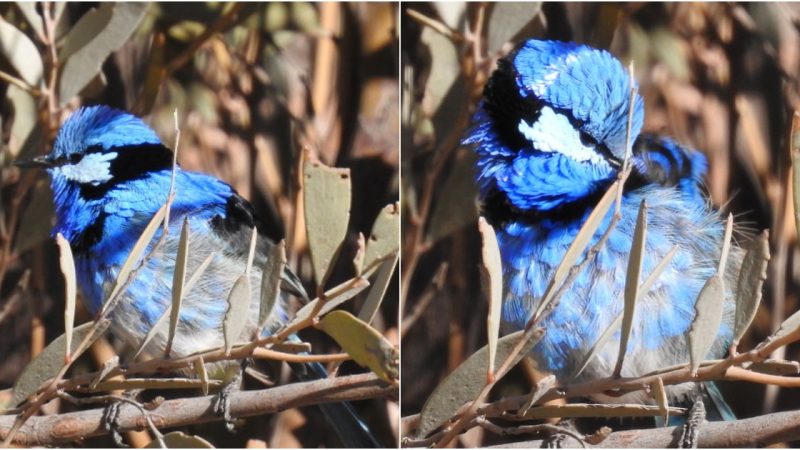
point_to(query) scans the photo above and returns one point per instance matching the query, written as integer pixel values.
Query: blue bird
(110, 173)
(550, 135)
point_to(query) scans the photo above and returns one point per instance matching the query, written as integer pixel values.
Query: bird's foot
(222, 401)
(557, 439)
(691, 429)
(110, 421)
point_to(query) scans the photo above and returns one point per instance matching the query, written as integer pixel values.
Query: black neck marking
(89, 236)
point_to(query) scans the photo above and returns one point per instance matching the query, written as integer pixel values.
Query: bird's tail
(344, 419)
(716, 408)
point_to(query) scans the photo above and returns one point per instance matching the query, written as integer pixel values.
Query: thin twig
(435, 25)
(11, 79)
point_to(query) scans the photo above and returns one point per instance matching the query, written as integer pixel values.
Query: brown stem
(70, 427)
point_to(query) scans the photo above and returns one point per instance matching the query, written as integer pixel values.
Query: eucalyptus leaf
(384, 239)
(25, 120)
(507, 20)
(67, 264)
(542, 387)
(36, 230)
(631, 291)
(492, 283)
(795, 141)
(776, 367)
(445, 68)
(330, 302)
(789, 326)
(451, 13)
(178, 281)
(108, 366)
(363, 343)
(467, 381)
(376, 294)
(33, 18)
(96, 35)
(21, 53)
(326, 195)
(49, 362)
(236, 315)
(659, 394)
(708, 317)
(202, 374)
(456, 202)
(271, 281)
(752, 274)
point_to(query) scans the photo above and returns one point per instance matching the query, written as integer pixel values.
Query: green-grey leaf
(708, 317)
(445, 69)
(789, 326)
(21, 53)
(236, 315)
(202, 374)
(542, 387)
(456, 202)
(178, 281)
(749, 284)
(378, 290)
(25, 119)
(632, 283)
(660, 396)
(451, 13)
(33, 18)
(49, 362)
(67, 264)
(271, 281)
(507, 20)
(108, 366)
(776, 367)
(796, 168)
(363, 343)
(92, 40)
(384, 239)
(327, 212)
(466, 382)
(331, 302)
(492, 283)
(36, 230)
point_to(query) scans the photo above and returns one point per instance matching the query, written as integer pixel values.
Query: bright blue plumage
(550, 136)
(110, 174)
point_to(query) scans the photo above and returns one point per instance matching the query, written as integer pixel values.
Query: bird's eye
(75, 158)
(586, 139)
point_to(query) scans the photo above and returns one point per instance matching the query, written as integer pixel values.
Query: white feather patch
(93, 168)
(552, 132)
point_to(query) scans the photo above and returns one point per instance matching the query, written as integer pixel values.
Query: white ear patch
(552, 132)
(93, 168)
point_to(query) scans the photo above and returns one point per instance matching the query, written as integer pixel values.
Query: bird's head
(551, 129)
(98, 147)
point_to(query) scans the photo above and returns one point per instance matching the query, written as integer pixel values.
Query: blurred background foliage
(253, 83)
(720, 77)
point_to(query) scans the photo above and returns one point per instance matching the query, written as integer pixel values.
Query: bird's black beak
(38, 162)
